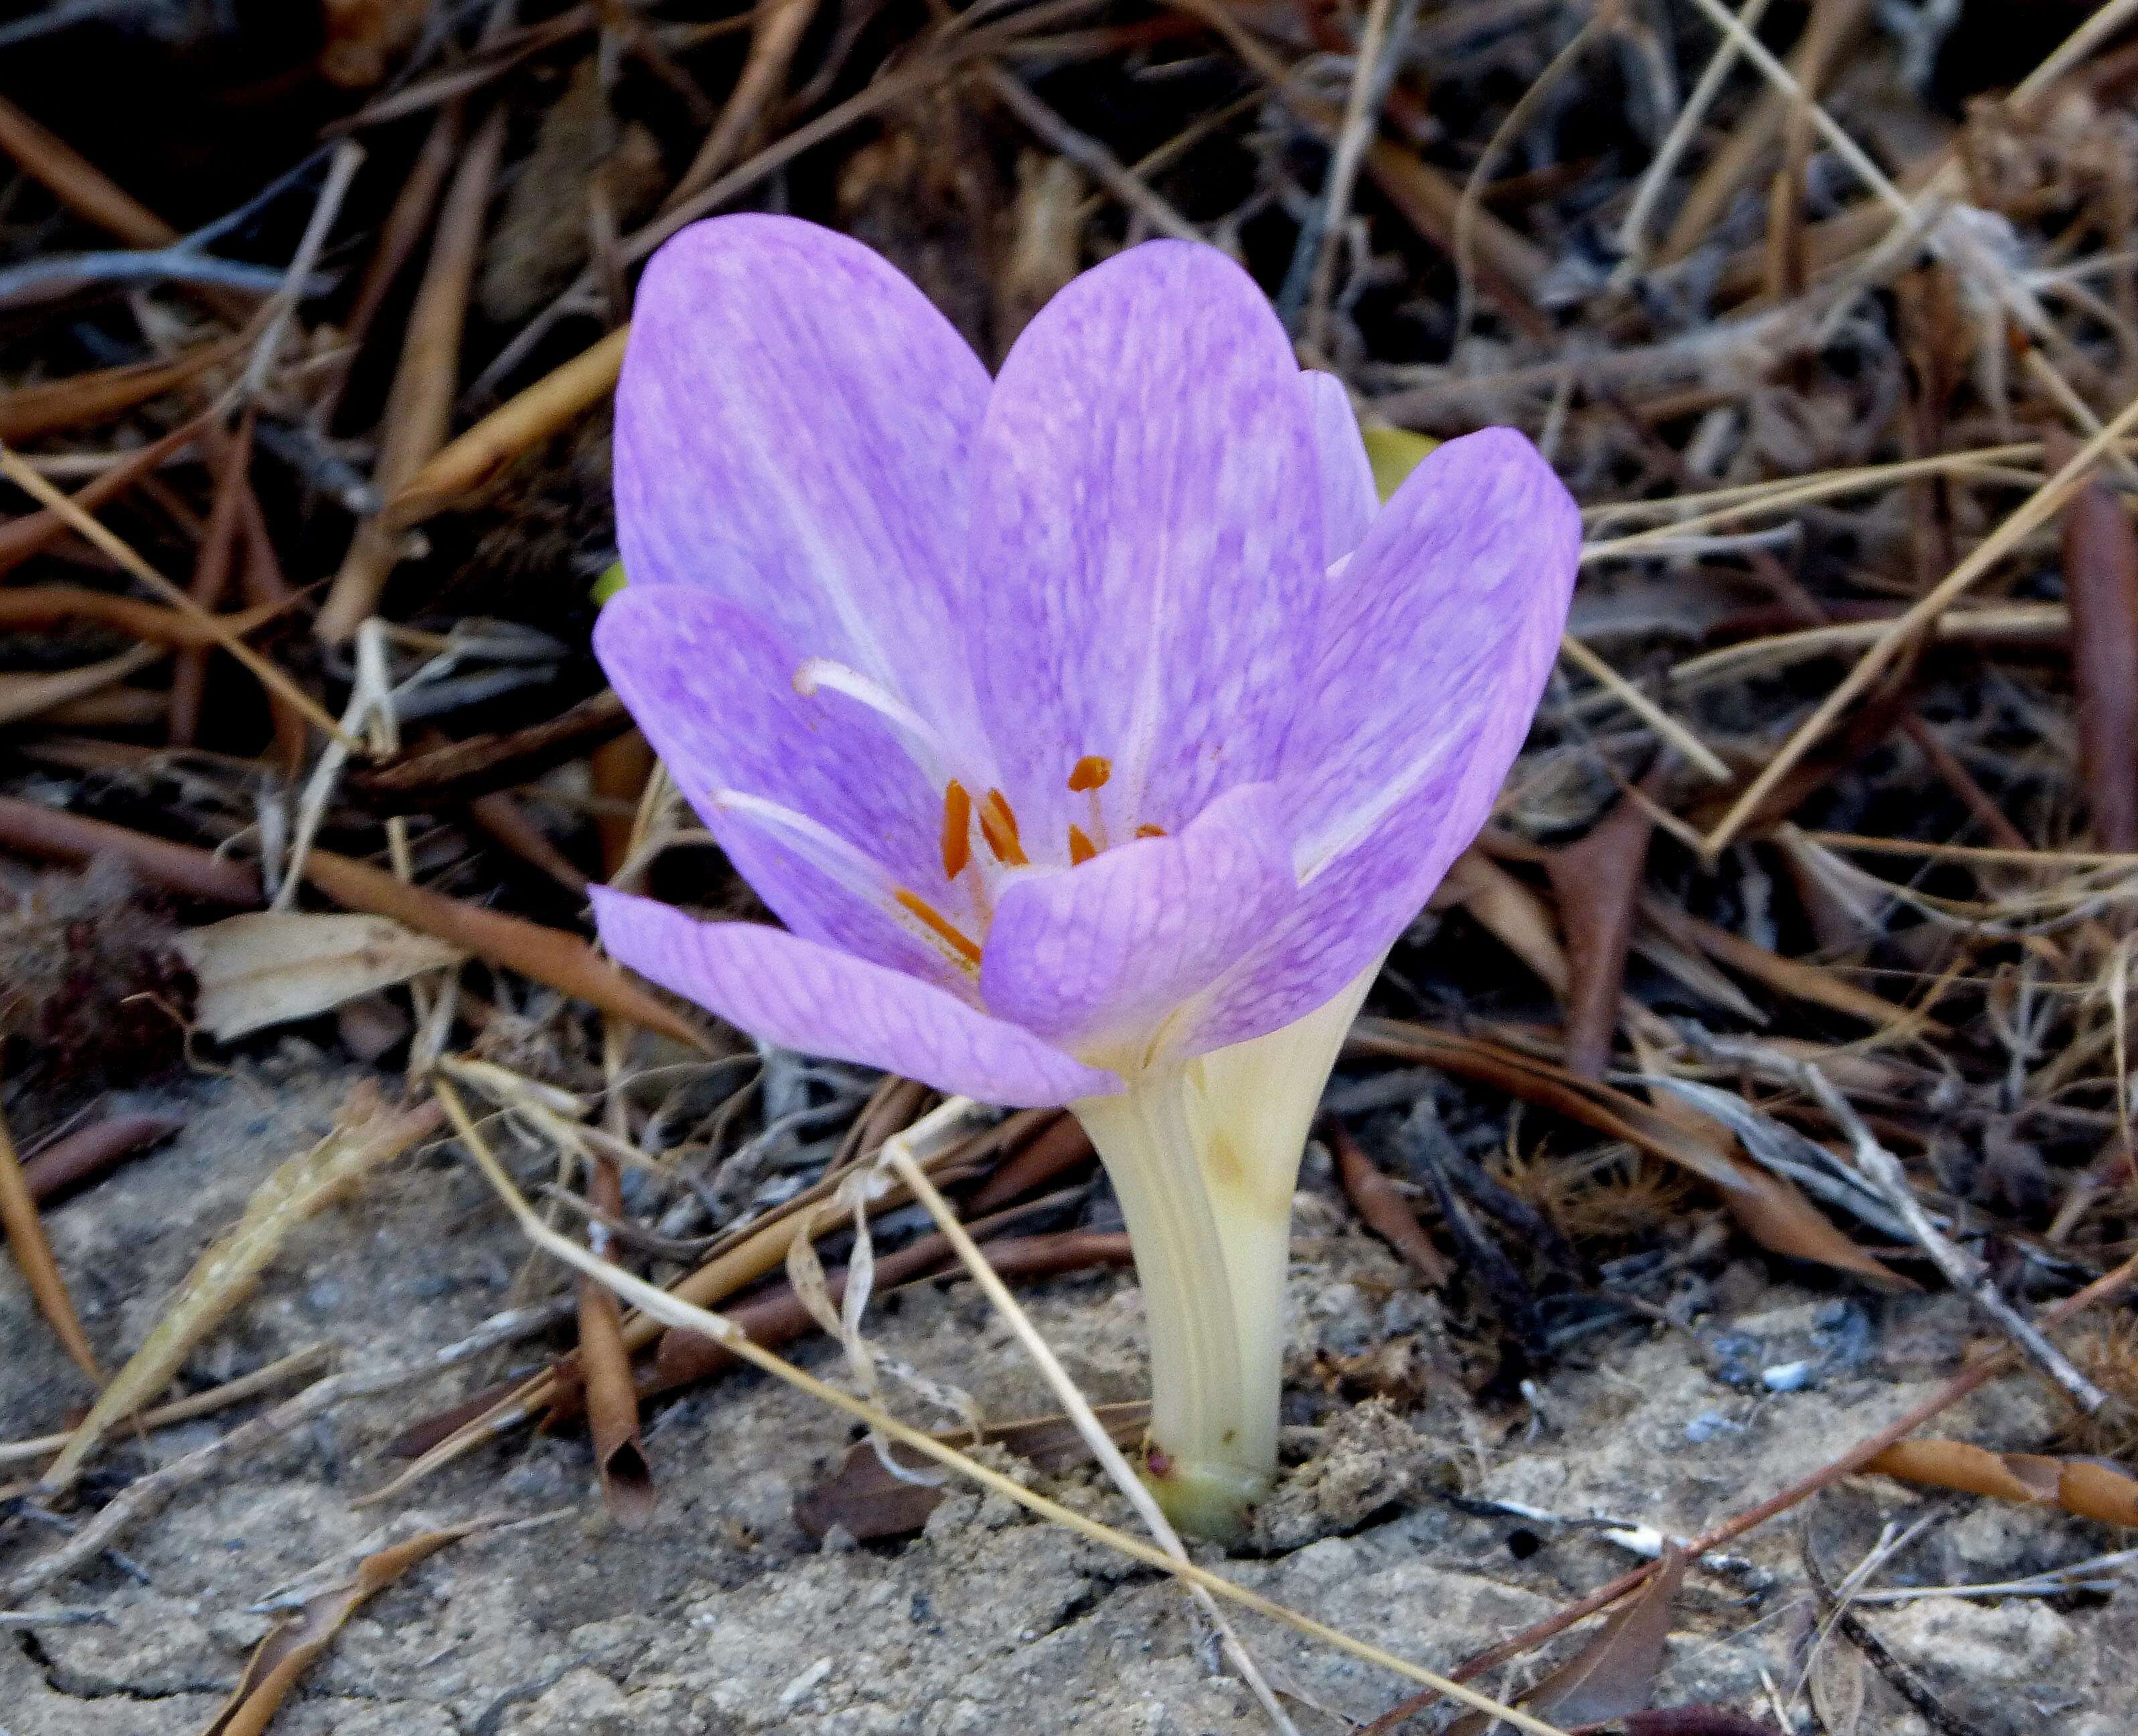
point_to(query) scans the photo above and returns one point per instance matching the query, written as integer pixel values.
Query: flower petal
(1146, 544)
(1348, 497)
(1436, 644)
(802, 995)
(791, 430)
(1098, 957)
(712, 688)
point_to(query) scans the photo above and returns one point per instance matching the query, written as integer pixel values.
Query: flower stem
(1204, 1155)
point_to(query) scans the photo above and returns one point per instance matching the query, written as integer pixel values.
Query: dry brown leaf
(1597, 883)
(612, 1400)
(1509, 912)
(370, 1134)
(1614, 1675)
(2101, 586)
(364, 37)
(294, 1647)
(867, 1502)
(271, 966)
(2090, 1488)
(1695, 1721)
(1385, 1212)
(1839, 1682)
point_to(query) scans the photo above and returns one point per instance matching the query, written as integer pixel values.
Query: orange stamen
(957, 820)
(1150, 831)
(944, 930)
(1082, 849)
(998, 826)
(1090, 772)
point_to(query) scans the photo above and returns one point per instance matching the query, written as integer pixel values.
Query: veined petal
(1146, 544)
(1097, 957)
(802, 995)
(712, 688)
(1348, 499)
(791, 430)
(1436, 640)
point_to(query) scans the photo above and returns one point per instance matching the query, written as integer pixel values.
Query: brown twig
(82, 1156)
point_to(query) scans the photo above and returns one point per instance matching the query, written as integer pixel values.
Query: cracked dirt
(722, 1618)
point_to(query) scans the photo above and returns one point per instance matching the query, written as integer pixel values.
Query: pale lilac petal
(1438, 639)
(791, 430)
(1348, 497)
(713, 689)
(1100, 955)
(1146, 543)
(802, 995)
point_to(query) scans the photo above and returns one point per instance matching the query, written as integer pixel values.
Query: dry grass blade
(1921, 616)
(293, 1648)
(279, 1373)
(33, 1257)
(271, 677)
(34, 606)
(23, 697)
(21, 537)
(662, 1306)
(370, 1134)
(465, 465)
(2086, 1487)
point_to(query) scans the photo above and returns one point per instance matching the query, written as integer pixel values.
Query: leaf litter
(1796, 952)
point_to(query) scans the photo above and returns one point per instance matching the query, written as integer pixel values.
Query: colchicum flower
(1091, 729)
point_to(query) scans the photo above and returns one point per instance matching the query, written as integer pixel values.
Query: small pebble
(1786, 1377)
(1707, 1425)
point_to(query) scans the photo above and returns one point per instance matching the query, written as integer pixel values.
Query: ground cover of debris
(1735, 1157)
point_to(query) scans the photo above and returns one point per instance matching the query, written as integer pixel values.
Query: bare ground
(721, 1616)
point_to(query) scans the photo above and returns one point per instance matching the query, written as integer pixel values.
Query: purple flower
(1076, 722)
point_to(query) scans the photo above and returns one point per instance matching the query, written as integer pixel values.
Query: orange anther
(957, 821)
(1090, 772)
(998, 826)
(944, 929)
(1082, 849)
(1150, 831)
